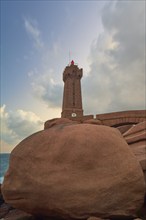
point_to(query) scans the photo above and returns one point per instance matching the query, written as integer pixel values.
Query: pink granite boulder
(136, 138)
(136, 133)
(74, 171)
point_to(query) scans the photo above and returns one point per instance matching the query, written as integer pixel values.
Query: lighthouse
(72, 97)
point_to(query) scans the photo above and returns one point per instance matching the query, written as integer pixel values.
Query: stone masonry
(72, 103)
(72, 97)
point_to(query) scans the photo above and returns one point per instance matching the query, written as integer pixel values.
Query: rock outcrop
(136, 133)
(74, 171)
(9, 213)
(136, 138)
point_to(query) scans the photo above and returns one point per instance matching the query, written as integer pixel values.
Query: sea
(4, 163)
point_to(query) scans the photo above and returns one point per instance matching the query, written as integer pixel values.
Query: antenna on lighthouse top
(71, 62)
(69, 57)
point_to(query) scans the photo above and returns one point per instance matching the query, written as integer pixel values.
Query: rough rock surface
(95, 218)
(75, 171)
(124, 128)
(16, 214)
(136, 138)
(93, 121)
(58, 121)
(136, 133)
(9, 213)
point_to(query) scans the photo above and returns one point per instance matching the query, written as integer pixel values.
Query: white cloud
(6, 133)
(116, 80)
(45, 76)
(47, 88)
(34, 32)
(17, 125)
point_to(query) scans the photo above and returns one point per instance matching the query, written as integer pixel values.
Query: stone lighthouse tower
(72, 97)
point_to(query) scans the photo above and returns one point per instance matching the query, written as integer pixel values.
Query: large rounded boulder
(73, 170)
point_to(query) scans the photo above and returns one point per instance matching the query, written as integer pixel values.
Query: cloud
(17, 126)
(32, 29)
(47, 88)
(116, 80)
(44, 77)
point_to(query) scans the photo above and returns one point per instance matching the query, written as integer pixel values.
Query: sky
(40, 38)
